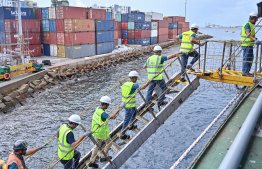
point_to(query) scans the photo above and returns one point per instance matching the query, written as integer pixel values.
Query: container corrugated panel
(11, 13)
(104, 36)
(60, 25)
(45, 25)
(35, 50)
(79, 25)
(178, 19)
(161, 24)
(131, 34)
(142, 33)
(154, 33)
(172, 25)
(69, 12)
(124, 25)
(38, 13)
(131, 17)
(46, 37)
(142, 41)
(148, 18)
(154, 25)
(184, 24)
(61, 51)
(168, 19)
(11, 25)
(140, 17)
(131, 41)
(117, 25)
(46, 49)
(80, 38)
(179, 26)
(117, 34)
(53, 38)
(95, 14)
(131, 25)
(45, 14)
(153, 40)
(2, 38)
(142, 25)
(104, 25)
(185, 29)
(118, 17)
(124, 41)
(124, 18)
(53, 50)
(155, 15)
(108, 15)
(80, 51)
(60, 38)
(124, 33)
(33, 38)
(162, 31)
(116, 42)
(171, 36)
(51, 13)
(162, 38)
(119, 41)
(179, 31)
(106, 47)
(172, 31)
(2, 26)
(52, 25)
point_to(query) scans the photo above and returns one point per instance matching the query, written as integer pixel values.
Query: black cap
(20, 145)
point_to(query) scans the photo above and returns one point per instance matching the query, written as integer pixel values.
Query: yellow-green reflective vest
(186, 44)
(100, 131)
(126, 89)
(154, 67)
(63, 146)
(244, 35)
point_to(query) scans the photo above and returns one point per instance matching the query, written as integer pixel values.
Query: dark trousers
(73, 163)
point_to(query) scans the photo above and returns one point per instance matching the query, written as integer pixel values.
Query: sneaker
(150, 109)
(190, 68)
(93, 165)
(132, 127)
(182, 79)
(103, 159)
(248, 75)
(125, 136)
(163, 103)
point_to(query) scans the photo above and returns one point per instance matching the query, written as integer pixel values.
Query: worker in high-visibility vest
(248, 34)
(100, 130)
(155, 67)
(16, 158)
(66, 142)
(186, 48)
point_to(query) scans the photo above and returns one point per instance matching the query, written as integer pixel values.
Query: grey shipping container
(80, 51)
(106, 47)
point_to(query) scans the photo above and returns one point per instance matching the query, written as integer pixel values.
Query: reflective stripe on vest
(244, 37)
(154, 67)
(100, 128)
(186, 44)
(126, 89)
(14, 159)
(63, 146)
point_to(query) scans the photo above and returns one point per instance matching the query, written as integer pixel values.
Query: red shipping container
(60, 25)
(79, 25)
(161, 23)
(179, 19)
(32, 38)
(116, 42)
(95, 13)
(46, 37)
(38, 13)
(179, 26)
(30, 26)
(60, 38)
(53, 38)
(131, 33)
(34, 50)
(184, 24)
(142, 33)
(179, 31)
(170, 20)
(171, 36)
(70, 12)
(162, 31)
(124, 25)
(185, 29)
(172, 31)
(79, 38)
(124, 40)
(117, 34)
(162, 38)
(117, 25)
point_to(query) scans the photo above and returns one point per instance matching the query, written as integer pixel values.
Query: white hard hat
(75, 119)
(105, 99)
(157, 48)
(253, 14)
(194, 26)
(133, 74)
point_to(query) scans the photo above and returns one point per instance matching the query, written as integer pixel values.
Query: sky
(201, 12)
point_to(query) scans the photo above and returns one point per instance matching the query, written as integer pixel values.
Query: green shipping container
(34, 13)
(131, 25)
(118, 17)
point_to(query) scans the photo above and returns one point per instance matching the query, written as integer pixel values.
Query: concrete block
(7, 99)
(36, 82)
(14, 94)
(14, 102)
(1, 97)
(31, 85)
(2, 106)
(21, 98)
(56, 82)
(30, 92)
(23, 88)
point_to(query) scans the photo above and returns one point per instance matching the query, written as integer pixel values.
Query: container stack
(9, 30)
(142, 29)
(172, 28)
(177, 25)
(162, 30)
(131, 28)
(124, 28)
(117, 33)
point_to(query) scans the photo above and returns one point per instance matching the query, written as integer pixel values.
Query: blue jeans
(247, 56)
(129, 118)
(73, 163)
(195, 56)
(152, 85)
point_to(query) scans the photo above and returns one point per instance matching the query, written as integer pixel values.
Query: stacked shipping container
(177, 25)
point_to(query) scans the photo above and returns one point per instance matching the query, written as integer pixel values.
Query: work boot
(93, 165)
(163, 103)
(125, 136)
(182, 79)
(132, 127)
(149, 109)
(248, 75)
(190, 68)
(103, 159)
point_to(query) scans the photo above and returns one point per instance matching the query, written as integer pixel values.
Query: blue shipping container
(143, 25)
(104, 36)
(131, 41)
(172, 25)
(2, 38)
(45, 13)
(153, 40)
(124, 17)
(119, 41)
(11, 13)
(52, 25)
(129, 9)
(106, 47)
(139, 16)
(108, 15)
(142, 41)
(2, 26)
(104, 25)
(124, 33)
(131, 17)
(46, 49)
(45, 25)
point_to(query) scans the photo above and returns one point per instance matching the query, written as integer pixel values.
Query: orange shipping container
(170, 20)
(79, 25)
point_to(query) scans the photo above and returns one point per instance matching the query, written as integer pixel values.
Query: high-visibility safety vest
(63, 146)
(244, 37)
(14, 159)
(100, 128)
(126, 89)
(154, 67)
(186, 44)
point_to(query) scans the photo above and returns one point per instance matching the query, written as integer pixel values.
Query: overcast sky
(222, 12)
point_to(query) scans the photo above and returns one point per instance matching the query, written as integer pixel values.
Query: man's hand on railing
(202, 43)
(257, 41)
